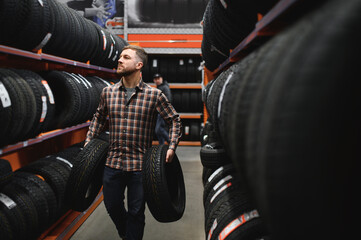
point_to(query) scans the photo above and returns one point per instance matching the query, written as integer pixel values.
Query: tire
(67, 97)
(48, 193)
(15, 217)
(39, 94)
(308, 125)
(85, 179)
(53, 177)
(18, 107)
(6, 173)
(213, 155)
(214, 178)
(163, 185)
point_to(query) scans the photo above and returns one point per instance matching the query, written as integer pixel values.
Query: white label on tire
(8, 202)
(41, 3)
(181, 62)
(222, 95)
(186, 130)
(155, 62)
(44, 109)
(4, 96)
(65, 161)
(237, 222)
(44, 42)
(215, 173)
(220, 190)
(50, 93)
(223, 180)
(104, 40)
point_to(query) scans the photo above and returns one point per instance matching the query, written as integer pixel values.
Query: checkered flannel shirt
(132, 123)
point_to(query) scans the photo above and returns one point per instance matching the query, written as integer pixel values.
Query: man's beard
(127, 72)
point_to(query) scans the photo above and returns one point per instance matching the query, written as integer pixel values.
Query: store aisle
(190, 227)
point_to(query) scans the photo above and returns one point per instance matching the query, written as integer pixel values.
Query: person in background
(160, 127)
(132, 107)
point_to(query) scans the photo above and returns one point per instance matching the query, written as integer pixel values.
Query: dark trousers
(130, 224)
(160, 131)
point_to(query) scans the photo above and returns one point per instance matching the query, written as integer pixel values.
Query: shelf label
(25, 143)
(50, 93)
(4, 96)
(8, 202)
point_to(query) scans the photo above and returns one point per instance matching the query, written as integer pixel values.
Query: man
(160, 127)
(132, 107)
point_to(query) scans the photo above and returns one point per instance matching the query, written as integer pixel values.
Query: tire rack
(24, 152)
(282, 15)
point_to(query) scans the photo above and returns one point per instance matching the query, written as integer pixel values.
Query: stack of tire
(225, 24)
(31, 104)
(288, 117)
(229, 210)
(173, 69)
(59, 30)
(187, 101)
(33, 197)
(171, 11)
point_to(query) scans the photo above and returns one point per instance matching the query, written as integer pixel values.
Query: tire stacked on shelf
(34, 198)
(171, 11)
(225, 25)
(59, 30)
(183, 69)
(31, 104)
(289, 115)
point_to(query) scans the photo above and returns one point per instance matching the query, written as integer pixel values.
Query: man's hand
(170, 155)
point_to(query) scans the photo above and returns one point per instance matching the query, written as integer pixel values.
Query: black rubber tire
(15, 217)
(312, 122)
(48, 193)
(163, 185)
(50, 101)
(39, 94)
(235, 82)
(27, 207)
(213, 155)
(18, 107)
(53, 177)
(85, 179)
(39, 201)
(217, 175)
(6, 173)
(67, 97)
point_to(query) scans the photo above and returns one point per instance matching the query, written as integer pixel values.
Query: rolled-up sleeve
(170, 115)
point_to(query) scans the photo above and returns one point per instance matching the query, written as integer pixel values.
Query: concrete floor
(190, 226)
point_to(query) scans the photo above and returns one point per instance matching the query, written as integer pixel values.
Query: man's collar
(140, 85)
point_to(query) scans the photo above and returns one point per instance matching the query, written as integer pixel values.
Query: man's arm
(99, 119)
(170, 115)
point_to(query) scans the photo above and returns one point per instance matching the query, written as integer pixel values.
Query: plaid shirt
(132, 123)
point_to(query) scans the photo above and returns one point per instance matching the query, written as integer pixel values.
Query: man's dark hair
(141, 53)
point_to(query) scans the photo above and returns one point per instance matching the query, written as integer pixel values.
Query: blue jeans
(130, 224)
(160, 131)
